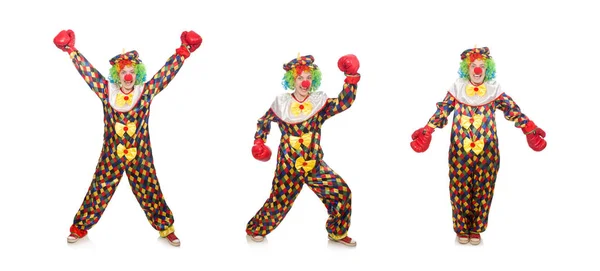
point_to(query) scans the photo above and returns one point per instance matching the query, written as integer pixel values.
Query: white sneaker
(257, 238)
(463, 238)
(346, 241)
(475, 238)
(72, 238)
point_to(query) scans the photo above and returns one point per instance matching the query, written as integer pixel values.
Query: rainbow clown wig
(296, 67)
(470, 55)
(127, 59)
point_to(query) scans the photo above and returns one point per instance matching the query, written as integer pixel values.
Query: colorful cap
(131, 56)
(307, 60)
(475, 53)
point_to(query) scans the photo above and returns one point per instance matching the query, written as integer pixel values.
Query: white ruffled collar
(113, 90)
(290, 110)
(459, 91)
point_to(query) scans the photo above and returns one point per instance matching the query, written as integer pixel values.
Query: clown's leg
(284, 191)
(486, 171)
(106, 178)
(461, 178)
(337, 197)
(145, 187)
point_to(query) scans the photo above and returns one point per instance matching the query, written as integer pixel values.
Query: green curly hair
(490, 68)
(289, 79)
(139, 69)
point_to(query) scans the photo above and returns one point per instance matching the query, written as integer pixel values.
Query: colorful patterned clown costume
(300, 161)
(126, 146)
(474, 158)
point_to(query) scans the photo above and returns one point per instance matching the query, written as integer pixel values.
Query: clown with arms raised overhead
(126, 103)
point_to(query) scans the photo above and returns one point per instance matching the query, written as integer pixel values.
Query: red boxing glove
(535, 136)
(260, 151)
(183, 51)
(65, 40)
(352, 79)
(421, 139)
(191, 40)
(349, 64)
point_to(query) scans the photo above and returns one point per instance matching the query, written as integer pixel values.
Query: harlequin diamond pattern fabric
(126, 151)
(473, 170)
(299, 144)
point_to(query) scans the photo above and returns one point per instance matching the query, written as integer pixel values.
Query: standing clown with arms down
(126, 103)
(474, 157)
(300, 116)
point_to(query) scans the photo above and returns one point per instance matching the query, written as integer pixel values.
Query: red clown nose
(305, 84)
(128, 77)
(478, 70)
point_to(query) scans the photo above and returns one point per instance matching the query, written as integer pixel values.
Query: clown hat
(131, 56)
(475, 52)
(306, 60)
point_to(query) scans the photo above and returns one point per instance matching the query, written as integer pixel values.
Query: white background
(544, 213)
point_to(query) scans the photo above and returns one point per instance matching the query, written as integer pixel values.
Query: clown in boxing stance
(300, 116)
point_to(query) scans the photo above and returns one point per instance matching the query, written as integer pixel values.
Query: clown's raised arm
(65, 40)
(348, 64)
(190, 41)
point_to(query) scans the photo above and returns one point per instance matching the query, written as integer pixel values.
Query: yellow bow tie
(476, 146)
(301, 108)
(306, 165)
(121, 128)
(479, 90)
(129, 153)
(297, 141)
(476, 120)
(123, 99)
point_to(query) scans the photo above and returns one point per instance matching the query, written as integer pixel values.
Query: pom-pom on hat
(475, 53)
(307, 60)
(131, 56)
